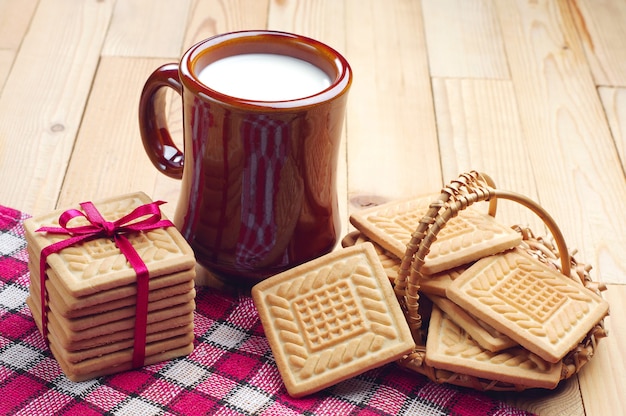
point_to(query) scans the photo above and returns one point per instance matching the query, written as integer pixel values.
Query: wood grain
(601, 27)
(6, 61)
(147, 28)
(614, 103)
(577, 171)
(210, 17)
(113, 160)
(392, 148)
(15, 17)
(41, 111)
(464, 39)
(479, 128)
(318, 19)
(603, 381)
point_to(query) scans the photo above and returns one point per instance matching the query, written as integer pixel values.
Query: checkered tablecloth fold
(230, 372)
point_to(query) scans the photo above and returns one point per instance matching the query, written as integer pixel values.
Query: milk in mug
(264, 77)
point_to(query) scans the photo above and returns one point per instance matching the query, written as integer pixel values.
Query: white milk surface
(264, 77)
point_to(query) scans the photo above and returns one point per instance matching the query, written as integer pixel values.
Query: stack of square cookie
(91, 294)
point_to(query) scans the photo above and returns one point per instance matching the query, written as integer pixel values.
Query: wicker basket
(461, 193)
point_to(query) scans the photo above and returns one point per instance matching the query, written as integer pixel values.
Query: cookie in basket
(390, 263)
(540, 308)
(468, 237)
(331, 319)
(450, 348)
(487, 337)
(437, 283)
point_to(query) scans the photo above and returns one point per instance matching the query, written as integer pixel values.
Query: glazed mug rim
(265, 41)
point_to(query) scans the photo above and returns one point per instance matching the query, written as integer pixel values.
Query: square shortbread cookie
(465, 238)
(449, 347)
(331, 319)
(540, 308)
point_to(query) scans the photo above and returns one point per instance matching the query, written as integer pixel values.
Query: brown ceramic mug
(263, 113)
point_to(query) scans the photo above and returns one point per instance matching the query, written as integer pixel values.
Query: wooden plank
(41, 110)
(565, 400)
(6, 61)
(577, 170)
(318, 19)
(147, 28)
(464, 39)
(15, 17)
(109, 158)
(601, 27)
(603, 380)
(614, 102)
(392, 139)
(479, 129)
(210, 17)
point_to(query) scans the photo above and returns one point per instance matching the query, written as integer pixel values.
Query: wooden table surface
(532, 92)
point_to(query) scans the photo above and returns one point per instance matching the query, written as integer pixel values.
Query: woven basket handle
(468, 189)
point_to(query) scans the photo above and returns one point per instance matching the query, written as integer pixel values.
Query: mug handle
(157, 141)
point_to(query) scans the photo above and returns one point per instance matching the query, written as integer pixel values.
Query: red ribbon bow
(143, 218)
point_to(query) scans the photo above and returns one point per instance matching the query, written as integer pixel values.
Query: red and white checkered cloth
(230, 372)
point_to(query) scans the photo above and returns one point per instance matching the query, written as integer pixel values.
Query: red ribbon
(143, 218)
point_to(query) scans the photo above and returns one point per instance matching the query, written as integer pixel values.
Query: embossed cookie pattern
(465, 238)
(98, 264)
(538, 307)
(450, 348)
(331, 319)
(487, 337)
(390, 263)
